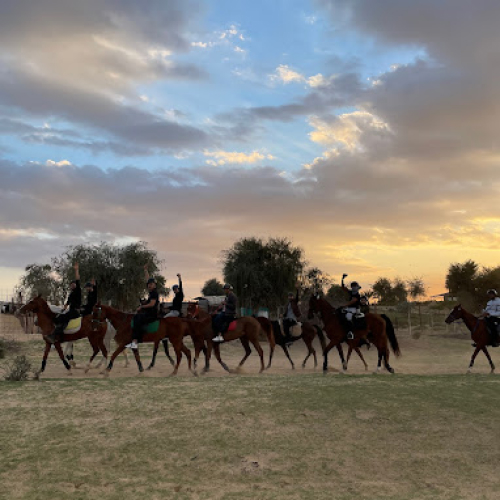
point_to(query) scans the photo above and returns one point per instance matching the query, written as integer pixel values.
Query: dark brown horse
(376, 327)
(172, 328)
(479, 333)
(247, 330)
(308, 334)
(46, 324)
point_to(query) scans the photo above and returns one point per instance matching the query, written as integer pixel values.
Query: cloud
(233, 157)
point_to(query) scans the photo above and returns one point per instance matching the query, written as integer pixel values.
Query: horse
(172, 328)
(479, 333)
(308, 333)
(380, 331)
(247, 330)
(46, 323)
(68, 346)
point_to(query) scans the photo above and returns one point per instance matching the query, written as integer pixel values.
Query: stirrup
(350, 336)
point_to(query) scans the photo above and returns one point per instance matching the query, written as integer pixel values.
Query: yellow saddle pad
(74, 325)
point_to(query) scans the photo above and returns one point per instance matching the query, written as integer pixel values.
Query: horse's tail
(321, 337)
(391, 335)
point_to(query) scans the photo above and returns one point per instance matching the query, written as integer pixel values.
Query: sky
(368, 132)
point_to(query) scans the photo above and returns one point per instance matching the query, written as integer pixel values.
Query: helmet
(72, 282)
(151, 280)
(492, 291)
(175, 287)
(290, 295)
(88, 284)
(355, 283)
(227, 287)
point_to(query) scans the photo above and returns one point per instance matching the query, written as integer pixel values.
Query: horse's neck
(327, 311)
(45, 318)
(470, 320)
(115, 317)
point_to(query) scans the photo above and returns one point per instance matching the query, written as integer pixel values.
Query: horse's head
(34, 305)
(193, 310)
(98, 316)
(456, 313)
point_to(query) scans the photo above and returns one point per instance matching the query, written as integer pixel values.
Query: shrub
(18, 370)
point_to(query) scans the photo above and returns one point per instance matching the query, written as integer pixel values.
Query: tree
(118, 270)
(336, 294)
(316, 280)
(462, 277)
(212, 287)
(40, 279)
(390, 292)
(262, 272)
(416, 288)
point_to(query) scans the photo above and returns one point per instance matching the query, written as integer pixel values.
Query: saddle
(150, 327)
(358, 320)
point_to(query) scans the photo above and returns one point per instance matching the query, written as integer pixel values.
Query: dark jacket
(178, 298)
(230, 304)
(91, 301)
(75, 298)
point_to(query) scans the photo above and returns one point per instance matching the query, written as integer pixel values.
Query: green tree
(262, 272)
(390, 292)
(316, 280)
(40, 279)
(212, 287)
(118, 270)
(336, 294)
(462, 277)
(415, 288)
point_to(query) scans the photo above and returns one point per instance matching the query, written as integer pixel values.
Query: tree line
(261, 271)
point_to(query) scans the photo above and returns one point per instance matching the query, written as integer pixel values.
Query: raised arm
(146, 273)
(76, 267)
(180, 282)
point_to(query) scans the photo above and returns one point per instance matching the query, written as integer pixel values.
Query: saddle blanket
(150, 327)
(74, 325)
(232, 326)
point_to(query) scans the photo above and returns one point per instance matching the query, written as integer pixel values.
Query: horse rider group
(149, 310)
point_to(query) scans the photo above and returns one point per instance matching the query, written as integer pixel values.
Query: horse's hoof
(149, 368)
(195, 373)
(72, 363)
(469, 371)
(390, 370)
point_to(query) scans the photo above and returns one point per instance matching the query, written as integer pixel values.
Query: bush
(18, 370)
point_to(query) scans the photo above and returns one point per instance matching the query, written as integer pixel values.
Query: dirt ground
(444, 351)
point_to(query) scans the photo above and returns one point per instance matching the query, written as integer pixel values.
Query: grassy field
(280, 435)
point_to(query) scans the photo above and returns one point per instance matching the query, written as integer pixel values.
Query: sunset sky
(367, 131)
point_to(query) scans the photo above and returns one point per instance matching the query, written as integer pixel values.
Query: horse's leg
(45, 356)
(216, 348)
(246, 345)
(325, 355)
(138, 359)
(388, 367)
(487, 354)
(341, 356)
(312, 351)
(358, 352)
(285, 349)
(177, 345)
(167, 352)
(271, 354)
(118, 350)
(208, 355)
(155, 351)
(260, 351)
(476, 350)
(187, 353)
(68, 353)
(95, 351)
(61, 355)
(107, 345)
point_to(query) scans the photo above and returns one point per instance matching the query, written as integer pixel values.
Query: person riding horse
(73, 304)
(292, 315)
(353, 307)
(227, 313)
(176, 307)
(492, 315)
(146, 313)
(91, 289)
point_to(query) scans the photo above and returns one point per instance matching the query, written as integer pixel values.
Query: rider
(353, 306)
(176, 307)
(146, 312)
(91, 289)
(73, 305)
(292, 314)
(492, 315)
(227, 313)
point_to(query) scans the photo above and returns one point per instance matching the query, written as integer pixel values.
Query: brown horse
(247, 330)
(479, 333)
(46, 324)
(172, 328)
(308, 334)
(376, 327)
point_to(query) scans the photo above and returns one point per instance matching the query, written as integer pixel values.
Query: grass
(274, 437)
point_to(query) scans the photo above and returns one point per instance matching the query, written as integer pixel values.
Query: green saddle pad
(150, 327)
